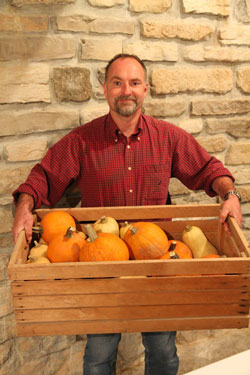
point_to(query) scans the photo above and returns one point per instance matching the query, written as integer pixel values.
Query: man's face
(125, 88)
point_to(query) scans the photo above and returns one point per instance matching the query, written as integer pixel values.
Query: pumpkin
(198, 243)
(178, 249)
(146, 240)
(103, 247)
(53, 223)
(66, 247)
(106, 224)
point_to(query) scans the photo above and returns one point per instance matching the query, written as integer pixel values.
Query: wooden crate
(136, 296)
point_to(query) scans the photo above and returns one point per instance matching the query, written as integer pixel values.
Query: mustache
(125, 97)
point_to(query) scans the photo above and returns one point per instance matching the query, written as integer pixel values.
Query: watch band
(233, 192)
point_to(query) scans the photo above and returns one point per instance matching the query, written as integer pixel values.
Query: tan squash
(39, 250)
(123, 229)
(106, 224)
(196, 240)
(36, 260)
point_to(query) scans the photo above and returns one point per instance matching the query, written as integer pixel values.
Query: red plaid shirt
(112, 170)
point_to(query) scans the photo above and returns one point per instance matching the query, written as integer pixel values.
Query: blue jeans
(160, 353)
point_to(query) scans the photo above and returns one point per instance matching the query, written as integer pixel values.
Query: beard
(128, 108)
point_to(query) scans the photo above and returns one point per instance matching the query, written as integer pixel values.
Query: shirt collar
(114, 130)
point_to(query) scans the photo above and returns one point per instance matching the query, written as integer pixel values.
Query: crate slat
(130, 312)
(146, 325)
(124, 285)
(130, 299)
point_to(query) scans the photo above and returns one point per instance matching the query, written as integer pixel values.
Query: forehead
(126, 67)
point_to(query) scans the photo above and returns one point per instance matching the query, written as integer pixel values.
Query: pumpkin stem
(70, 232)
(188, 228)
(103, 219)
(124, 224)
(133, 230)
(172, 252)
(91, 232)
(37, 230)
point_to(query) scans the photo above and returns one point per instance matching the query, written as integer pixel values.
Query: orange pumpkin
(66, 247)
(146, 240)
(178, 248)
(55, 222)
(103, 247)
(211, 256)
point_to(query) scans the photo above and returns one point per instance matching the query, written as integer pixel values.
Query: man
(125, 158)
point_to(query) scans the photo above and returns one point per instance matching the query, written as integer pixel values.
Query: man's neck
(127, 125)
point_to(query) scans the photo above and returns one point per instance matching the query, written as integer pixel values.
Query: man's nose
(126, 89)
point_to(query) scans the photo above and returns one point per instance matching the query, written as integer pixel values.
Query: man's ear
(146, 89)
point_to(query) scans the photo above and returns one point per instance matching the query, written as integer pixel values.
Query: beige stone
(92, 112)
(191, 198)
(20, 3)
(238, 153)
(192, 126)
(153, 51)
(213, 144)
(164, 108)
(23, 23)
(243, 79)
(100, 49)
(105, 3)
(27, 149)
(176, 187)
(235, 126)
(12, 177)
(6, 306)
(72, 84)
(37, 48)
(223, 54)
(220, 107)
(112, 26)
(6, 245)
(156, 6)
(77, 23)
(242, 10)
(245, 193)
(4, 260)
(23, 83)
(6, 219)
(185, 30)
(235, 34)
(7, 332)
(172, 81)
(29, 121)
(241, 175)
(217, 7)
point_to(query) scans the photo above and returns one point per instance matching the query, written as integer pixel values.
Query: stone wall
(52, 59)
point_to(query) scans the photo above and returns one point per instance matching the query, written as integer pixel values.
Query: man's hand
(23, 217)
(231, 207)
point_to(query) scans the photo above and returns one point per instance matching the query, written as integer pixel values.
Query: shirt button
(128, 146)
(129, 168)
(131, 190)
(138, 138)
(116, 140)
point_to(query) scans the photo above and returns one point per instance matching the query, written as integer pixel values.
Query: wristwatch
(233, 192)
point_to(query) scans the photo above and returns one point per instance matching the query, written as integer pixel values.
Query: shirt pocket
(156, 180)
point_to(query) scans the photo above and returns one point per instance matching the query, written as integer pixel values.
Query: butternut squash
(198, 243)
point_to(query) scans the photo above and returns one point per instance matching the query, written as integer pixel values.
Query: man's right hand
(23, 217)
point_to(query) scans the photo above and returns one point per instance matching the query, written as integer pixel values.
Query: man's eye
(135, 83)
(116, 83)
